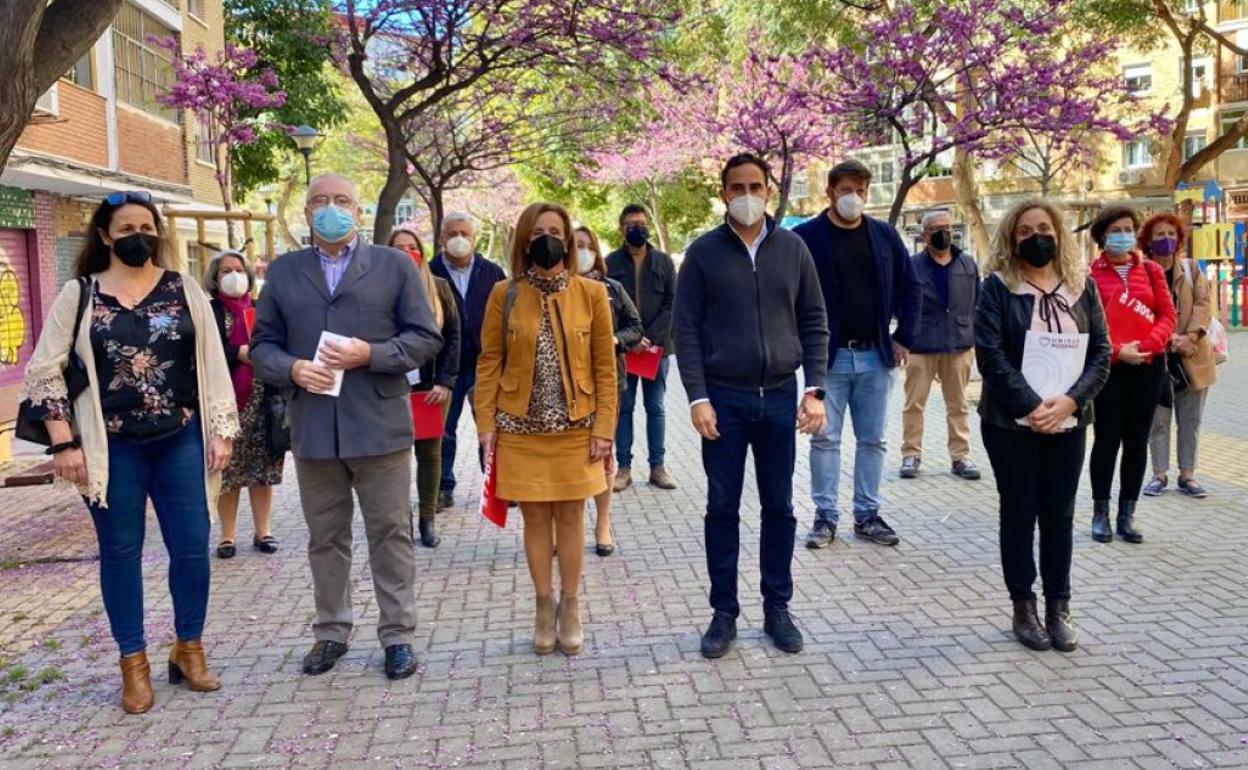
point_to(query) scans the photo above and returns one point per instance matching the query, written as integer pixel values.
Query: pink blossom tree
(224, 92)
(407, 56)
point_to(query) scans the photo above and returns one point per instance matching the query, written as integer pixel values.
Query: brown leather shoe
(187, 664)
(623, 479)
(660, 478)
(136, 684)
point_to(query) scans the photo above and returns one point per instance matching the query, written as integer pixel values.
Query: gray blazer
(381, 301)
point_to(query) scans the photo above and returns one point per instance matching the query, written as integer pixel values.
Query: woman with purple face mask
(1193, 369)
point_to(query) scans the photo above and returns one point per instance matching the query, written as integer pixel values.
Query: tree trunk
(60, 31)
(437, 210)
(283, 205)
(904, 186)
(396, 186)
(656, 213)
(786, 185)
(966, 194)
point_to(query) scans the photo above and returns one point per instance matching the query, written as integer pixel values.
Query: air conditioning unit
(47, 106)
(1129, 177)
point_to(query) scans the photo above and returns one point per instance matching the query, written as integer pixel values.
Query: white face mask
(459, 247)
(234, 284)
(584, 261)
(850, 206)
(747, 209)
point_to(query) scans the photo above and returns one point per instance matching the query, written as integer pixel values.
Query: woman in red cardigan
(1140, 313)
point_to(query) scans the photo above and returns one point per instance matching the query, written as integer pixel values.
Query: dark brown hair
(1107, 217)
(96, 255)
(524, 230)
(744, 159)
(849, 169)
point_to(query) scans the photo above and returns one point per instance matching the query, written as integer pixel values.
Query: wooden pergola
(203, 216)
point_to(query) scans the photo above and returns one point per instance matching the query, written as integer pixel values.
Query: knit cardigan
(45, 379)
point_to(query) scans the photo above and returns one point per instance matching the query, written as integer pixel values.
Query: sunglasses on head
(132, 196)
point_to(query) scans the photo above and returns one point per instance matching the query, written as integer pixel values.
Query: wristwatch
(819, 393)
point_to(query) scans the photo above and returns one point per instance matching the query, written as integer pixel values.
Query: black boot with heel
(1126, 522)
(1101, 532)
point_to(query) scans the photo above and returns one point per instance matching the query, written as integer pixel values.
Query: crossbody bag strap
(508, 303)
(84, 294)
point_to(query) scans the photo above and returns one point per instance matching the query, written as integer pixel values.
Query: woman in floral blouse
(157, 421)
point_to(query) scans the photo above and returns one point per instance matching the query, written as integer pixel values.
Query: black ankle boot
(1057, 623)
(1126, 522)
(1101, 532)
(1027, 626)
(428, 535)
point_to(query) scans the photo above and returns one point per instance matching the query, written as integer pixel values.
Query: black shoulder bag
(32, 428)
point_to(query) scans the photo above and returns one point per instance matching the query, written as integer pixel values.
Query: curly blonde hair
(1069, 263)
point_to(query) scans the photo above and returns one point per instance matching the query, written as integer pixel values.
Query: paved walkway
(908, 662)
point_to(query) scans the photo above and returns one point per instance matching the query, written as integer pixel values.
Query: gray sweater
(749, 325)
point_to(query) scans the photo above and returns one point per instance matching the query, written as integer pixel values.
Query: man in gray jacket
(359, 440)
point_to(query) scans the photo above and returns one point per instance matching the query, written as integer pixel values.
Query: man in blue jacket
(472, 276)
(944, 345)
(749, 313)
(867, 280)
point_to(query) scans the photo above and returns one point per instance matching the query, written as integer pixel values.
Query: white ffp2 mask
(747, 209)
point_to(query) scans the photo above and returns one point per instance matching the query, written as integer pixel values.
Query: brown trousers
(383, 485)
(954, 372)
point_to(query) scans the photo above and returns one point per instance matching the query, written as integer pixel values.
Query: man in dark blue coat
(868, 280)
(472, 276)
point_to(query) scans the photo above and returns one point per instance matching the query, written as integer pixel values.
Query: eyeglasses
(131, 196)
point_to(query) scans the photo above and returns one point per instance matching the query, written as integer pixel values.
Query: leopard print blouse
(548, 406)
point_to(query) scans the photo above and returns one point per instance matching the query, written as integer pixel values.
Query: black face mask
(941, 240)
(135, 250)
(637, 235)
(1038, 250)
(546, 251)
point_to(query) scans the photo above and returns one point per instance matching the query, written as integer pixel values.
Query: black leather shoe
(719, 635)
(323, 656)
(1027, 626)
(876, 530)
(1100, 521)
(226, 550)
(779, 626)
(1057, 623)
(400, 661)
(446, 499)
(266, 544)
(428, 535)
(1126, 522)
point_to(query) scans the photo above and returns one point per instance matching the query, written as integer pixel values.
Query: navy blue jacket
(946, 329)
(472, 308)
(896, 289)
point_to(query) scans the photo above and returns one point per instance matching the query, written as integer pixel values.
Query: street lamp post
(305, 139)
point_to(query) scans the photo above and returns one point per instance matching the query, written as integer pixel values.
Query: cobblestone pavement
(908, 664)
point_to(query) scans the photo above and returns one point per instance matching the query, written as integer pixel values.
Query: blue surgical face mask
(332, 224)
(1119, 243)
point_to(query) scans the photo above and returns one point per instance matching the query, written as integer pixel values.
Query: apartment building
(99, 129)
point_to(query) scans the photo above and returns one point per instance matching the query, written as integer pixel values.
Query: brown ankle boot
(187, 664)
(136, 684)
(571, 636)
(544, 626)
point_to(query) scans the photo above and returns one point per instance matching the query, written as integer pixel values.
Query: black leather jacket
(1002, 319)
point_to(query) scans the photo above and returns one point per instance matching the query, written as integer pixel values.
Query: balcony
(1232, 10)
(1233, 87)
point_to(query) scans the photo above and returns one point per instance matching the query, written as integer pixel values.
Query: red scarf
(237, 336)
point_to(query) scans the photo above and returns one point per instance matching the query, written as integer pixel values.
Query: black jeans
(1037, 478)
(765, 423)
(1124, 418)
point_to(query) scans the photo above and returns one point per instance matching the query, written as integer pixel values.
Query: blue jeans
(171, 473)
(860, 381)
(459, 394)
(653, 392)
(765, 423)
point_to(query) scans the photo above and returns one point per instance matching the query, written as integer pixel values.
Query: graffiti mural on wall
(12, 322)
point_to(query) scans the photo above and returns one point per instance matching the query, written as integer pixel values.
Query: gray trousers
(383, 485)
(1189, 407)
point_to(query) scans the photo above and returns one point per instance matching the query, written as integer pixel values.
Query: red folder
(644, 364)
(493, 508)
(1130, 318)
(249, 320)
(426, 418)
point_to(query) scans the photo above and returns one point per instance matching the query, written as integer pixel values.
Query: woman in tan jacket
(157, 420)
(1162, 239)
(546, 406)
